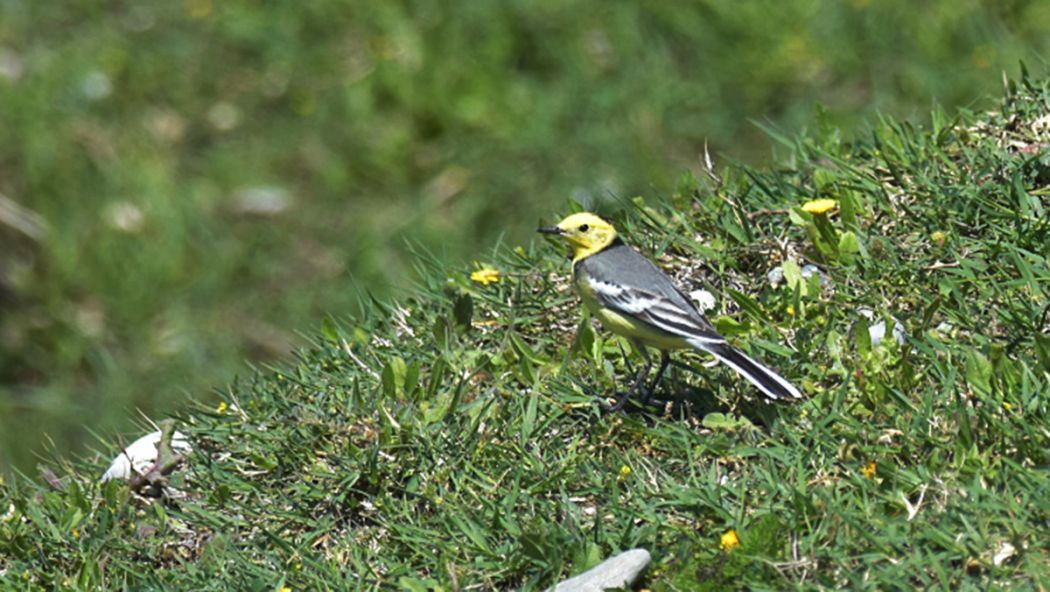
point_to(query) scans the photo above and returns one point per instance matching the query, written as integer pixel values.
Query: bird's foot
(646, 397)
(643, 400)
(619, 404)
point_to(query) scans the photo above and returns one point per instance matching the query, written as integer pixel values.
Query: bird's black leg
(639, 381)
(626, 358)
(665, 359)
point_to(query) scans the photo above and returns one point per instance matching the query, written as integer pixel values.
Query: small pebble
(775, 276)
(809, 270)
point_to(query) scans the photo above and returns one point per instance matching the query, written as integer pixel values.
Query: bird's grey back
(621, 264)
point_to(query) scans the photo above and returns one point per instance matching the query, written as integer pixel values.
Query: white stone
(96, 85)
(704, 300)
(1005, 552)
(142, 454)
(775, 276)
(619, 571)
(877, 329)
(262, 200)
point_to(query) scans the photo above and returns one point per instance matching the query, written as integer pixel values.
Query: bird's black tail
(769, 382)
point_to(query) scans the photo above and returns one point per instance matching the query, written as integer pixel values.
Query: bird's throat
(596, 243)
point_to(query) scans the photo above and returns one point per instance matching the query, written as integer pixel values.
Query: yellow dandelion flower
(791, 310)
(820, 206)
(625, 471)
(730, 540)
(222, 408)
(869, 471)
(938, 237)
(485, 276)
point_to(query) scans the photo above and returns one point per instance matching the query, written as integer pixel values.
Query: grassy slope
(450, 438)
(140, 132)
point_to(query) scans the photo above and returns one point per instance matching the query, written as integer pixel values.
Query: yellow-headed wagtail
(633, 298)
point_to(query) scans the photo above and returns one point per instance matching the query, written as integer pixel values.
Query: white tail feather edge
(725, 354)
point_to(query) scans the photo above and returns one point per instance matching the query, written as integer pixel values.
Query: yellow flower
(222, 408)
(485, 276)
(1008, 405)
(820, 206)
(938, 237)
(76, 533)
(286, 589)
(730, 540)
(791, 310)
(625, 471)
(869, 471)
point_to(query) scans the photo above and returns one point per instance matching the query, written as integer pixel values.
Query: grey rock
(775, 276)
(616, 572)
(809, 270)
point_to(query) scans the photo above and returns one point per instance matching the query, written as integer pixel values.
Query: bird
(634, 298)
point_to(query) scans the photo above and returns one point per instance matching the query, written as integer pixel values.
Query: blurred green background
(186, 185)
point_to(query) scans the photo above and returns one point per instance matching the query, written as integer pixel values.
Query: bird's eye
(584, 228)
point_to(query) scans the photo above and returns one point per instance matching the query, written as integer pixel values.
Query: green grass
(138, 132)
(448, 438)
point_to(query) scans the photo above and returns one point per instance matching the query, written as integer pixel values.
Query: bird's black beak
(550, 230)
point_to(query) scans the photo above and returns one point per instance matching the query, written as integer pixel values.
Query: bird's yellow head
(585, 232)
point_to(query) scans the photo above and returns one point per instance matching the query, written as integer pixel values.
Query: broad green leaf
(793, 277)
(849, 246)
(393, 377)
(979, 371)
(585, 336)
(723, 421)
(826, 238)
(848, 207)
(729, 326)
(863, 336)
